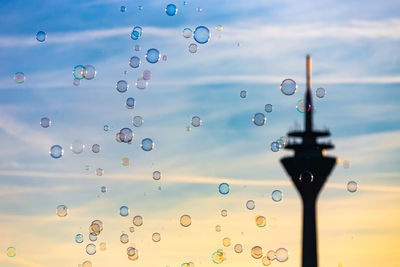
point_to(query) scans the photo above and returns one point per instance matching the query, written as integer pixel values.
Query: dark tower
(309, 170)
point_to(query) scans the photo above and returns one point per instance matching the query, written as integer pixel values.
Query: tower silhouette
(309, 169)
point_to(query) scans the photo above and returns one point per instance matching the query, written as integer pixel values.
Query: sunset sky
(355, 47)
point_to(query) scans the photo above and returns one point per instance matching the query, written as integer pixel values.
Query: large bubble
(202, 35)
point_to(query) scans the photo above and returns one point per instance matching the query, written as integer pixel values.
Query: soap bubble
(268, 108)
(41, 36)
(130, 102)
(171, 10)
(79, 238)
(243, 94)
(156, 175)
(261, 221)
(90, 72)
(87, 264)
(275, 146)
(137, 121)
(199, 9)
(134, 62)
(136, 32)
(301, 106)
(77, 147)
(137, 220)
(76, 82)
(224, 213)
(147, 144)
(282, 254)
(19, 77)
(124, 211)
(11, 252)
(56, 152)
(123, 9)
(91, 249)
(320, 92)
(282, 141)
(226, 242)
(137, 48)
(223, 188)
(133, 253)
(131, 229)
(187, 33)
(92, 237)
(146, 75)
(259, 119)
(288, 87)
(126, 135)
(238, 248)
(79, 72)
(164, 57)
(271, 255)
(218, 228)
(153, 55)
(103, 189)
(266, 261)
(346, 164)
(185, 220)
(99, 172)
(141, 84)
(125, 162)
(103, 246)
(188, 128)
(96, 148)
(257, 252)
(45, 122)
(352, 186)
(196, 121)
(124, 238)
(218, 256)
(156, 237)
(250, 204)
(192, 48)
(219, 28)
(122, 86)
(276, 195)
(202, 34)
(106, 128)
(306, 176)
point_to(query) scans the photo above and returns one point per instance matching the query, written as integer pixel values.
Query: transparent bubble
(275, 146)
(171, 10)
(271, 255)
(136, 32)
(92, 237)
(301, 106)
(346, 164)
(103, 246)
(147, 144)
(99, 172)
(259, 119)
(187, 33)
(196, 121)
(226, 242)
(141, 84)
(79, 72)
(238, 248)
(131, 229)
(250, 204)
(19, 77)
(91, 249)
(126, 135)
(124, 238)
(56, 152)
(257, 252)
(156, 237)
(146, 75)
(133, 253)
(223, 188)
(164, 57)
(137, 220)
(96, 148)
(41, 36)
(156, 175)
(276, 195)
(125, 162)
(106, 128)
(137, 48)
(124, 211)
(288, 87)
(185, 220)
(218, 256)
(243, 94)
(218, 228)
(76, 82)
(134, 62)
(123, 9)
(11, 252)
(282, 254)
(224, 213)
(261, 221)
(306, 176)
(153, 55)
(266, 261)
(122, 86)
(219, 28)
(103, 189)
(130, 103)
(90, 72)
(45, 122)
(87, 264)
(320, 92)
(268, 108)
(79, 238)
(137, 121)
(192, 48)
(77, 147)
(352, 186)
(202, 34)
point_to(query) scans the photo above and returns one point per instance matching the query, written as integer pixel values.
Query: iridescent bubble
(266, 261)
(96, 148)
(271, 255)
(106, 128)
(224, 213)
(276, 195)
(56, 152)
(134, 62)
(352, 186)
(79, 72)
(218, 256)
(320, 92)
(306, 176)
(268, 108)
(238, 248)
(124, 238)
(223, 188)
(187, 33)
(133, 253)
(125, 162)
(202, 34)
(103, 189)
(122, 86)
(195, 121)
(124, 211)
(288, 87)
(164, 57)
(91, 249)
(250, 204)
(123, 9)
(137, 121)
(226, 242)
(11, 252)
(153, 55)
(45, 122)
(87, 264)
(99, 172)
(282, 254)
(188, 129)
(92, 237)
(243, 94)
(131, 229)
(137, 220)
(147, 144)
(171, 10)
(261, 221)
(346, 164)
(77, 147)
(185, 220)
(103, 246)
(90, 72)
(146, 75)
(126, 135)
(19, 77)
(76, 82)
(130, 103)
(301, 106)
(141, 84)
(79, 238)
(219, 28)
(156, 175)
(259, 119)
(192, 48)
(156, 237)
(41, 36)
(136, 32)
(275, 146)
(218, 228)
(257, 252)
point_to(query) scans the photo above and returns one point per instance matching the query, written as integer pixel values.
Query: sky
(355, 49)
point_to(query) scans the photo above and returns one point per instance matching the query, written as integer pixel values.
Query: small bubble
(90, 72)
(301, 106)
(137, 48)
(306, 176)
(352, 186)
(45, 122)
(99, 172)
(96, 148)
(275, 146)
(238, 248)
(77, 147)
(141, 84)
(103, 189)
(92, 237)
(257, 252)
(346, 164)
(19, 77)
(41, 36)
(276, 195)
(153, 55)
(122, 86)
(131, 229)
(87, 264)
(11, 252)
(124, 238)
(171, 10)
(243, 94)
(266, 261)
(218, 228)
(271, 255)
(224, 213)
(103, 246)
(123, 9)
(136, 32)
(219, 28)
(146, 75)
(130, 103)
(134, 62)
(192, 48)
(137, 121)
(320, 92)
(76, 82)
(268, 108)
(223, 188)
(147, 144)
(91, 249)
(218, 256)
(185, 220)
(133, 253)
(288, 87)
(156, 237)
(226, 242)
(187, 33)
(126, 135)
(106, 128)
(164, 58)
(79, 72)
(56, 152)
(195, 121)
(260, 221)
(125, 162)
(259, 119)
(250, 205)
(79, 238)
(137, 220)
(124, 211)
(156, 175)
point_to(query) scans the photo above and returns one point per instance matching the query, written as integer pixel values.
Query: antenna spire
(308, 104)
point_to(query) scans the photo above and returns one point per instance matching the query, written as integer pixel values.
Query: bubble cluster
(288, 87)
(250, 204)
(45, 122)
(261, 221)
(185, 220)
(223, 188)
(352, 186)
(136, 32)
(147, 144)
(56, 152)
(218, 256)
(259, 119)
(96, 227)
(276, 195)
(125, 135)
(19, 77)
(133, 253)
(124, 211)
